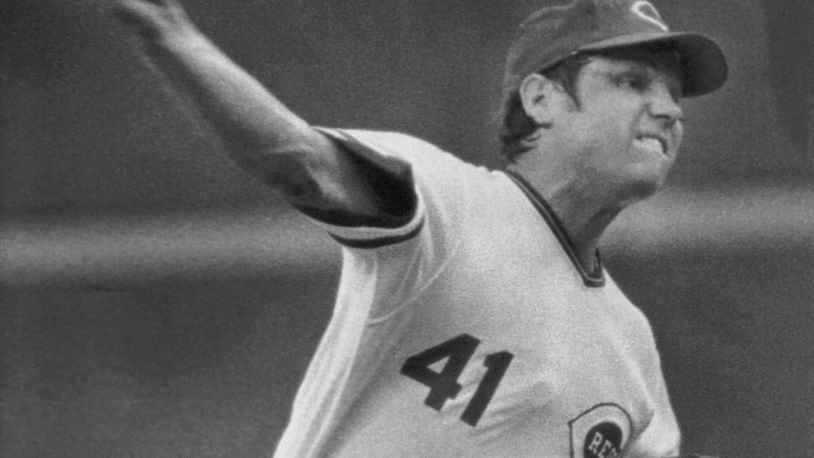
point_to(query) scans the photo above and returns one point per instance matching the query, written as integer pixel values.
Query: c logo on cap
(647, 11)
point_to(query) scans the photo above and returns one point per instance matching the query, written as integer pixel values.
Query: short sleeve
(369, 233)
(393, 262)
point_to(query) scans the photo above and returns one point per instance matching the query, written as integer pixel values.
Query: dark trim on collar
(595, 279)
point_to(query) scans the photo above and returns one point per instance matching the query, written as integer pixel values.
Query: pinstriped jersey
(471, 330)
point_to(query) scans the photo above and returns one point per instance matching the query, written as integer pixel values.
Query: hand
(154, 20)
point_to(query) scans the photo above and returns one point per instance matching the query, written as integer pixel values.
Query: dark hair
(517, 127)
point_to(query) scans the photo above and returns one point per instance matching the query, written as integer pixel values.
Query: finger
(140, 17)
(147, 12)
(140, 10)
(173, 5)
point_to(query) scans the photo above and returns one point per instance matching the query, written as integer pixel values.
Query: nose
(664, 106)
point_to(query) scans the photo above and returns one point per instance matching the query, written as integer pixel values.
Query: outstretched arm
(263, 136)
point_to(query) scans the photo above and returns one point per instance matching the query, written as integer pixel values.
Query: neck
(584, 216)
(583, 208)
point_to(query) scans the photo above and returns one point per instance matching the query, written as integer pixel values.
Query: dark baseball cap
(554, 34)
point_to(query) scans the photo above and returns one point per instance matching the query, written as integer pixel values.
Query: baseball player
(474, 316)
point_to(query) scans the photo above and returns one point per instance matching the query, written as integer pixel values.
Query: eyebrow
(660, 62)
(617, 70)
(648, 68)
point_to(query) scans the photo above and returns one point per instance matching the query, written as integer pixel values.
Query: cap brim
(703, 63)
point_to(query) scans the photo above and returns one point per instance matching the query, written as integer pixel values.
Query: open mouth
(652, 143)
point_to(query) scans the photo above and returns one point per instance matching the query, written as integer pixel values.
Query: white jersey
(471, 330)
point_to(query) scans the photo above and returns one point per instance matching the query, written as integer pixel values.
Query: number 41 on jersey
(444, 385)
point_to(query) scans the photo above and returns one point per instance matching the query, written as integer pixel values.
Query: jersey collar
(593, 279)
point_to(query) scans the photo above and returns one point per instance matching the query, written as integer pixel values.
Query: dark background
(157, 302)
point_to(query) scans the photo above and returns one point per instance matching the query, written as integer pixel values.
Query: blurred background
(158, 302)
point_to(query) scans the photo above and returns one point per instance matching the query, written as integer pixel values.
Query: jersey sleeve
(387, 171)
(395, 257)
(662, 436)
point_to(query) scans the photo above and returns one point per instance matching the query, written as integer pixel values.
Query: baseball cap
(553, 34)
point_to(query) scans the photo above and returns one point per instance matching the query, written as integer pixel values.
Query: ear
(536, 92)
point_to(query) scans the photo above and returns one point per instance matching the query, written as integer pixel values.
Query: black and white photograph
(406, 228)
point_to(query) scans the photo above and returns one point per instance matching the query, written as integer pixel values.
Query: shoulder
(419, 153)
(386, 141)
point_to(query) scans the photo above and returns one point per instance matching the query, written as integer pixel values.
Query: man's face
(626, 129)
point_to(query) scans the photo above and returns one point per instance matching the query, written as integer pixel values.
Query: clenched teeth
(652, 143)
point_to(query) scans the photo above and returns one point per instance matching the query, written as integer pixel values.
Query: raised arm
(263, 136)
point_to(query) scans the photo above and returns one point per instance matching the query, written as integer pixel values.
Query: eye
(632, 81)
